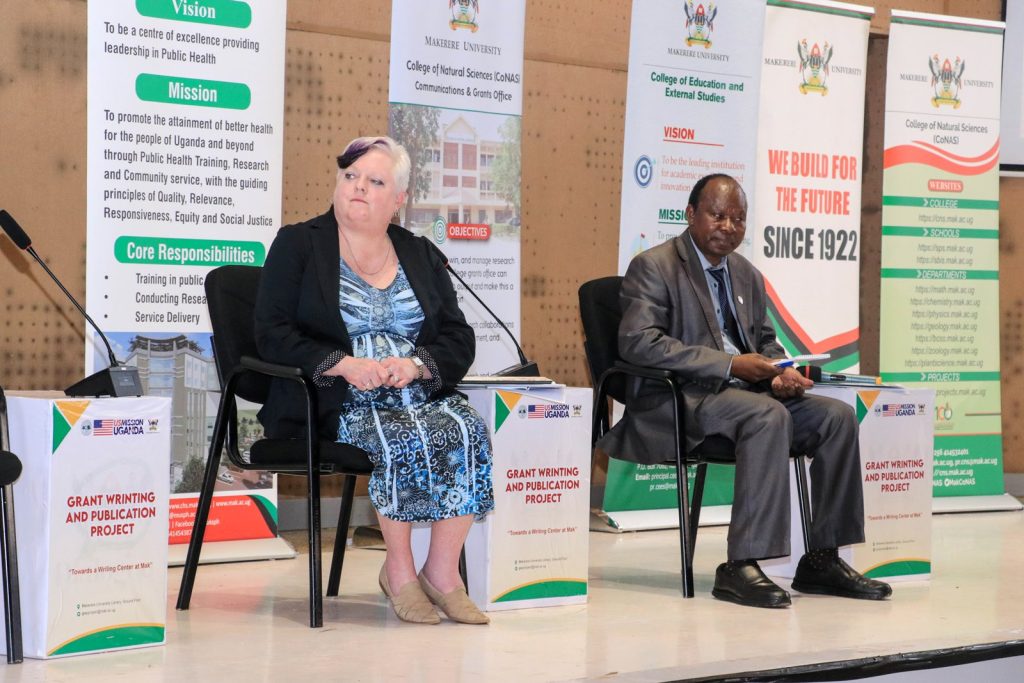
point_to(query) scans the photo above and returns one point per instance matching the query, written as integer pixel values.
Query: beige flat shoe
(411, 604)
(455, 604)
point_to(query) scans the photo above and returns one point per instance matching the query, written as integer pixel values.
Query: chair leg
(800, 462)
(463, 568)
(9, 565)
(695, 505)
(316, 598)
(195, 544)
(341, 537)
(685, 557)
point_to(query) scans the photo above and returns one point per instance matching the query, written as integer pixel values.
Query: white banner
(456, 98)
(896, 472)
(805, 223)
(691, 110)
(185, 129)
(92, 515)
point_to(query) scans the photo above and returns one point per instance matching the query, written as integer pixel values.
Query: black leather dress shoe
(827, 574)
(744, 583)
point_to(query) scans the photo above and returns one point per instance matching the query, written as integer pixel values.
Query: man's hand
(790, 384)
(753, 368)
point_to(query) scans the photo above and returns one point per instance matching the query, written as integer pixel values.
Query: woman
(369, 312)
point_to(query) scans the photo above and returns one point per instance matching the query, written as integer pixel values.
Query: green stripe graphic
(216, 12)
(939, 274)
(121, 636)
(912, 21)
(941, 203)
(940, 376)
(545, 589)
(951, 233)
(838, 11)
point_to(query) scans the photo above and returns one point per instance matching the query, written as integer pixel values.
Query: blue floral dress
(431, 457)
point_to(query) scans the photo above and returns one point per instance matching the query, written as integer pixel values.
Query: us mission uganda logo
(464, 14)
(899, 409)
(119, 427)
(947, 79)
(814, 69)
(700, 23)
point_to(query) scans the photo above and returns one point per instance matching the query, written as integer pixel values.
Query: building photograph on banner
(805, 219)
(940, 238)
(185, 125)
(455, 104)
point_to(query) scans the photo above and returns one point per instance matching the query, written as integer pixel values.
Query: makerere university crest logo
(813, 67)
(700, 22)
(464, 14)
(947, 79)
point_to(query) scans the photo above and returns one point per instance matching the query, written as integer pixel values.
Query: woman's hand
(402, 371)
(362, 373)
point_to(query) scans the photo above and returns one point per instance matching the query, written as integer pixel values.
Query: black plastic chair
(10, 470)
(231, 296)
(601, 314)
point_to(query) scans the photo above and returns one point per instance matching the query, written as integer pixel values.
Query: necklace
(364, 271)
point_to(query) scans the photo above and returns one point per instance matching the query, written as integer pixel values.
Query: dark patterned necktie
(731, 328)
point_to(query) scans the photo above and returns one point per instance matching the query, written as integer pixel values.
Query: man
(693, 306)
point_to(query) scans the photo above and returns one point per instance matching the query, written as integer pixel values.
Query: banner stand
(999, 503)
(235, 551)
(622, 521)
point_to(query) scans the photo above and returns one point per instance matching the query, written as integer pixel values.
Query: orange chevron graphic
(72, 410)
(869, 397)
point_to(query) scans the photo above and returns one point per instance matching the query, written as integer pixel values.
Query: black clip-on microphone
(524, 368)
(118, 379)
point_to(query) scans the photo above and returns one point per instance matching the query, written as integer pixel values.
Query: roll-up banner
(456, 100)
(185, 128)
(940, 237)
(805, 222)
(691, 110)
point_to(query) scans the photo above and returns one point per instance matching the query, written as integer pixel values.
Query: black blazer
(298, 322)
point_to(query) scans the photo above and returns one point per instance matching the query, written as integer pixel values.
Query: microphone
(117, 380)
(10, 468)
(816, 374)
(525, 368)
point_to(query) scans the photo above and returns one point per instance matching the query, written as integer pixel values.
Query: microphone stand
(110, 352)
(116, 380)
(524, 368)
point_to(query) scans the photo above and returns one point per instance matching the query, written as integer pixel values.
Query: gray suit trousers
(764, 430)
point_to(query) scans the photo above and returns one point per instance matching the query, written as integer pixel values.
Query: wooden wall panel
(336, 88)
(42, 184)
(572, 166)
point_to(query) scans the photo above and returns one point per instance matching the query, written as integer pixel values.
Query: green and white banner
(456, 101)
(185, 128)
(805, 219)
(691, 110)
(940, 237)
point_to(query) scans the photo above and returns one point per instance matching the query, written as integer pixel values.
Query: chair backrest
(231, 299)
(601, 315)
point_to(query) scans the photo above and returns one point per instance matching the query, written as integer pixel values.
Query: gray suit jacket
(668, 322)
